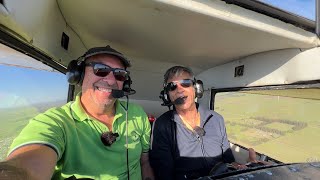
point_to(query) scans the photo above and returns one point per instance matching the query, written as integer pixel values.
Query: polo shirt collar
(204, 113)
(120, 109)
(80, 114)
(77, 110)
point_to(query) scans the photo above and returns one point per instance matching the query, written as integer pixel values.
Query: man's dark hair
(176, 71)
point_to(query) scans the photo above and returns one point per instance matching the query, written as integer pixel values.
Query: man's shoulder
(132, 106)
(167, 114)
(134, 110)
(62, 109)
(165, 117)
(218, 119)
(56, 112)
(216, 115)
(209, 111)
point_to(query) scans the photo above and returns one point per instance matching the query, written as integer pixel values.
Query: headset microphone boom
(120, 93)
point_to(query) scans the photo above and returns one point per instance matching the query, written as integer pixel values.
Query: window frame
(17, 44)
(277, 13)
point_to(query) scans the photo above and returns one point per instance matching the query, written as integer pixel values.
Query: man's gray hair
(177, 71)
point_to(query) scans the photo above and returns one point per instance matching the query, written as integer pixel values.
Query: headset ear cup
(75, 72)
(165, 98)
(199, 88)
(127, 85)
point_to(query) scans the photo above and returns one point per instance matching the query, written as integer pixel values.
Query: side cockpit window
(28, 87)
(282, 124)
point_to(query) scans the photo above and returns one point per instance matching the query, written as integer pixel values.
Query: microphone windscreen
(117, 93)
(200, 131)
(108, 138)
(178, 101)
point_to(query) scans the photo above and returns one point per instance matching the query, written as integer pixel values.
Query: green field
(284, 128)
(12, 121)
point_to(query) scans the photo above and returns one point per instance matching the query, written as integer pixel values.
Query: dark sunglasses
(103, 70)
(171, 86)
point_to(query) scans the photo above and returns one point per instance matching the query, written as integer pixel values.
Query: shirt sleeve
(43, 129)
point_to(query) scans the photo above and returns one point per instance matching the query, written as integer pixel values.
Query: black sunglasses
(171, 86)
(103, 70)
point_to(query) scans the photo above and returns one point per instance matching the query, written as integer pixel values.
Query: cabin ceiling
(154, 34)
(159, 34)
(160, 31)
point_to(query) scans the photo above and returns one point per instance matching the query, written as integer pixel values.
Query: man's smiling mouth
(103, 89)
(183, 97)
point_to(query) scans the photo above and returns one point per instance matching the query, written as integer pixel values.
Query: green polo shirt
(76, 139)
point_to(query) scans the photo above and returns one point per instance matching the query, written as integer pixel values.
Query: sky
(23, 86)
(304, 8)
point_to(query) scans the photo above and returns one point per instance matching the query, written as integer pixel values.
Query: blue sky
(23, 86)
(305, 8)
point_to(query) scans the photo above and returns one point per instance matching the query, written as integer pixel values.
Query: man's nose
(179, 87)
(110, 78)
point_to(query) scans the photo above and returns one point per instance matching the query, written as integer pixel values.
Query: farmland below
(282, 127)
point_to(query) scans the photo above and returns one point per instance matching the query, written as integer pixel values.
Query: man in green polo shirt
(96, 136)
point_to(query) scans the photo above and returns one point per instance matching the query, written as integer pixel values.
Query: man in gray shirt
(188, 141)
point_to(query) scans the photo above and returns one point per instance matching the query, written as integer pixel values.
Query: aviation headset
(76, 68)
(198, 85)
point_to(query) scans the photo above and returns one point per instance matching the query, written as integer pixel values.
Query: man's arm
(35, 161)
(147, 173)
